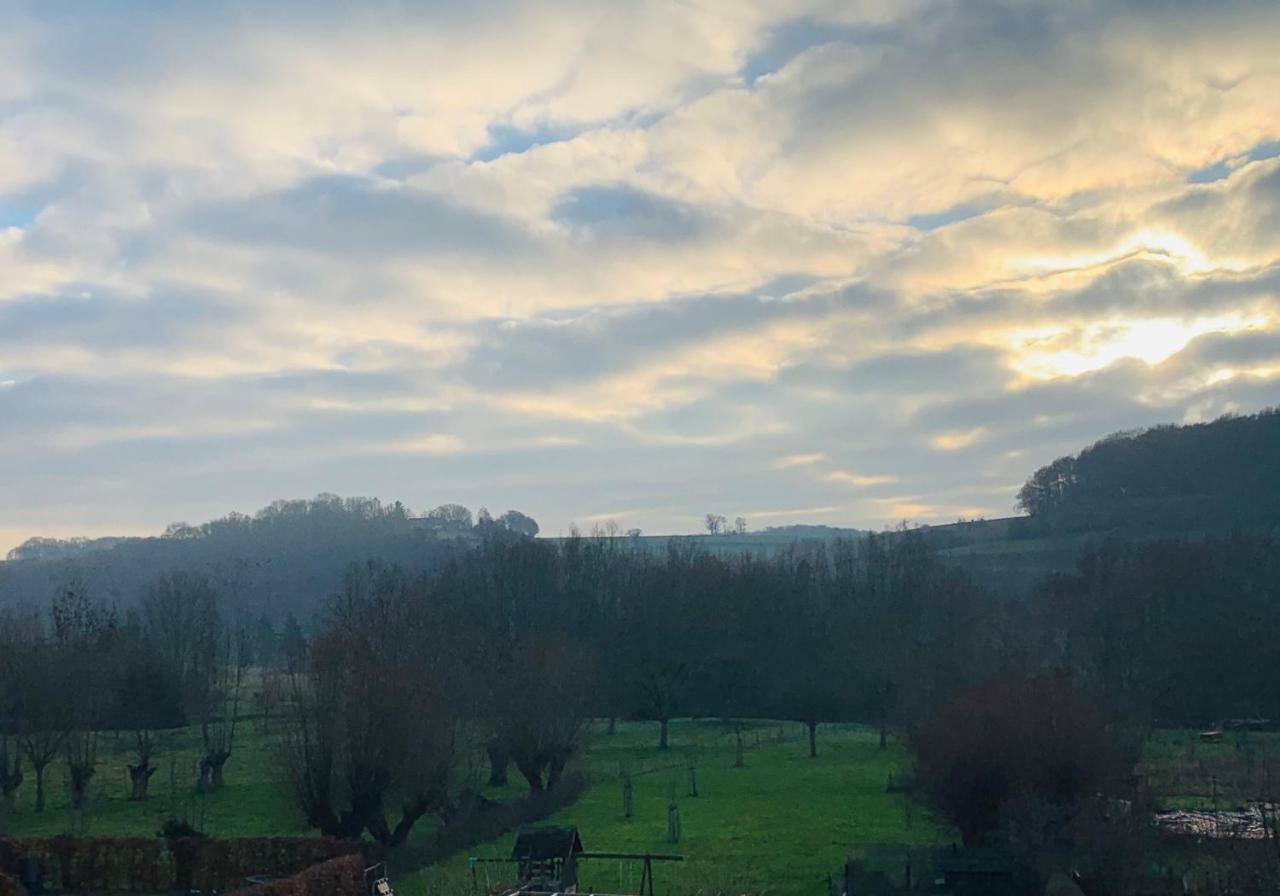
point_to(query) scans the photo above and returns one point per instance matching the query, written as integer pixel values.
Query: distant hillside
(765, 542)
(1188, 481)
(291, 556)
(288, 557)
(1206, 478)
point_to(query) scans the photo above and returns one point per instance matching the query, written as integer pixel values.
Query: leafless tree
(368, 725)
(543, 711)
(85, 635)
(217, 693)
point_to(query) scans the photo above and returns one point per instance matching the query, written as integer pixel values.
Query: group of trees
(719, 525)
(1172, 632)
(80, 668)
(285, 558)
(498, 654)
(516, 643)
(1207, 476)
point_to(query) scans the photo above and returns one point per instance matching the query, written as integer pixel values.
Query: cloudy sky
(832, 262)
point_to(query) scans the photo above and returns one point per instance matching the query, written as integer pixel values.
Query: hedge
(343, 876)
(136, 865)
(10, 887)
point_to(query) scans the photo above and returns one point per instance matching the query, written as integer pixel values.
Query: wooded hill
(1167, 481)
(286, 558)
(1184, 481)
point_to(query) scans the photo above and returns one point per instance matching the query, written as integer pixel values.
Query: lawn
(1189, 773)
(252, 803)
(779, 825)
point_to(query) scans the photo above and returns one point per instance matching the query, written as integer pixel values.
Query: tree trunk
(80, 776)
(662, 734)
(613, 726)
(532, 772)
(140, 776)
(499, 759)
(40, 788)
(739, 759)
(211, 767)
(556, 771)
(884, 731)
(10, 781)
(813, 738)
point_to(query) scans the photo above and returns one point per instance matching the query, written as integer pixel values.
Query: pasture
(778, 824)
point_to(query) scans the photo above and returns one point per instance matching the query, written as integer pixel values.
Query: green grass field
(1189, 773)
(253, 803)
(777, 825)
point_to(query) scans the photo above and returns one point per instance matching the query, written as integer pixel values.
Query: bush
(178, 827)
(10, 887)
(343, 876)
(995, 750)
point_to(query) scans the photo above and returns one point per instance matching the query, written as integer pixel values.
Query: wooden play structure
(547, 860)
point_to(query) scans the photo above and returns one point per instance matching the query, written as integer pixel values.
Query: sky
(848, 263)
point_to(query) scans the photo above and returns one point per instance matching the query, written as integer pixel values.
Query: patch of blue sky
(1223, 167)
(970, 208)
(505, 140)
(788, 40)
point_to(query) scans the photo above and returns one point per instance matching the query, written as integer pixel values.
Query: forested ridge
(287, 557)
(1206, 477)
(1168, 481)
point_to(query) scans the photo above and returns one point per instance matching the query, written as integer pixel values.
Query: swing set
(546, 860)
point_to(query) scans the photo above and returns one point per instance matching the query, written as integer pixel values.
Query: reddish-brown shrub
(342, 876)
(1016, 740)
(10, 887)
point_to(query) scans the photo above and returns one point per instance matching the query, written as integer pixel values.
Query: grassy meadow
(254, 802)
(777, 825)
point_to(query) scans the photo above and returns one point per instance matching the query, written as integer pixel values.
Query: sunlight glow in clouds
(674, 258)
(1175, 248)
(1072, 352)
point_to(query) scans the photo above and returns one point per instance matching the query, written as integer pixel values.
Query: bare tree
(85, 634)
(14, 638)
(450, 518)
(218, 692)
(368, 725)
(544, 708)
(43, 722)
(715, 523)
(147, 701)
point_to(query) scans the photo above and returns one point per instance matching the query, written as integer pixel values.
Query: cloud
(798, 460)
(843, 477)
(784, 253)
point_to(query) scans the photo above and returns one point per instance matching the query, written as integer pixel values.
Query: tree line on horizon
(508, 648)
(1205, 477)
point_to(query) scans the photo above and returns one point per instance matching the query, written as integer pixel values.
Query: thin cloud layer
(800, 261)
